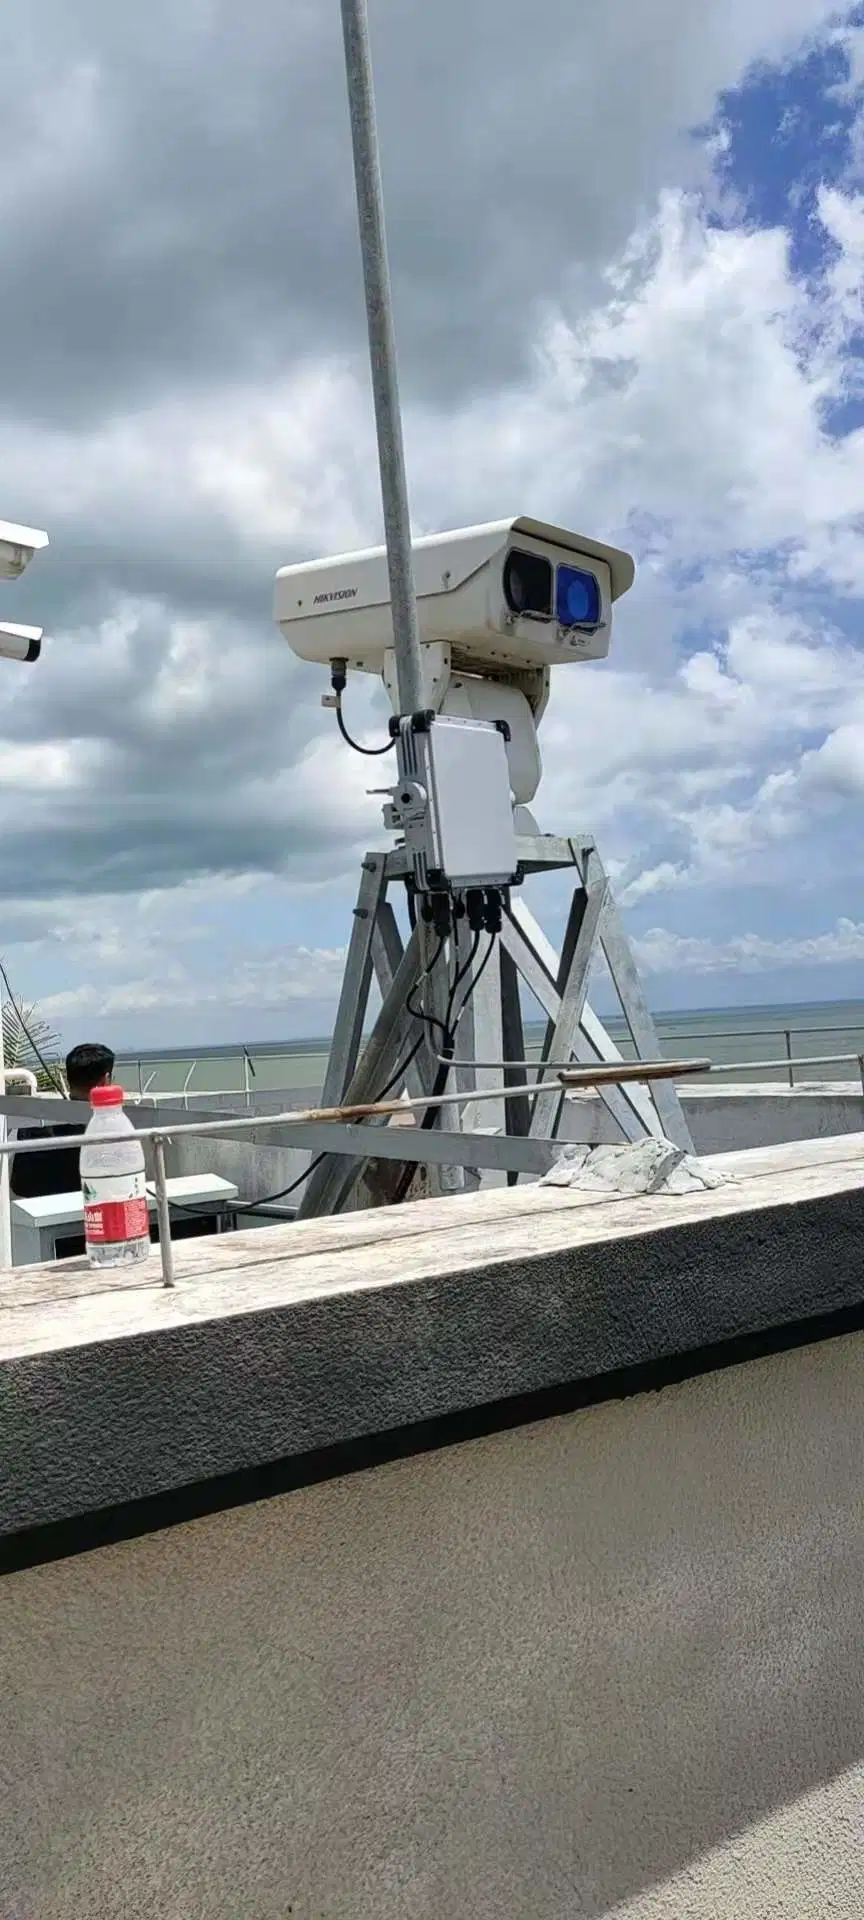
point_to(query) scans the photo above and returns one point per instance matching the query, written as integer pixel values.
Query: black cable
(338, 679)
(400, 1073)
(267, 1200)
(459, 977)
(442, 1076)
(395, 1078)
(479, 975)
(370, 752)
(426, 1019)
(439, 1087)
(447, 1025)
(403, 1066)
(48, 1071)
(249, 1206)
(449, 1031)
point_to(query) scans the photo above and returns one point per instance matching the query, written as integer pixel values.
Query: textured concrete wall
(732, 1119)
(609, 1664)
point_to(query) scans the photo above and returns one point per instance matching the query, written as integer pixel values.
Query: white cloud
(48, 767)
(269, 984)
(693, 393)
(662, 952)
(838, 765)
(295, 977)
(711, 757)
(288, 465)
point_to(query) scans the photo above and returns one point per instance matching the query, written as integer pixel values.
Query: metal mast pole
(382, 353)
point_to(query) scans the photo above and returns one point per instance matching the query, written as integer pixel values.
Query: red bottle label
(115, 1220)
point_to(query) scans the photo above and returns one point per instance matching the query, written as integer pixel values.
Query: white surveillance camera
(17, 547)
(20, 643)
(513, 595)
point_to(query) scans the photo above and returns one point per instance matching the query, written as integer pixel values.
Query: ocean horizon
(748, 1033)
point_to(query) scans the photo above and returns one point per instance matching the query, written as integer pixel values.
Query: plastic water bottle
(116, 1217)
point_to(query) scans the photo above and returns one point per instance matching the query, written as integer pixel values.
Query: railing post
(788, 1039)
(163, 1214)
(248, 1075)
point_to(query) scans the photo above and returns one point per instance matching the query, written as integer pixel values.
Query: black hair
(87, 1065)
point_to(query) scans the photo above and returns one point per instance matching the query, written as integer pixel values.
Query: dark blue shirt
(33, 1174)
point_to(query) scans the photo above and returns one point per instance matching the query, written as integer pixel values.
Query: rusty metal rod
(613, 1072)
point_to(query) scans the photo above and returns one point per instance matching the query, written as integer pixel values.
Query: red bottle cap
(107, 1097)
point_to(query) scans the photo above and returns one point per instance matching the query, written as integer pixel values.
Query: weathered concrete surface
(609, 1665)
(273, 1346)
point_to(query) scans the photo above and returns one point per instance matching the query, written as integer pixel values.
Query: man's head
(88, 1067)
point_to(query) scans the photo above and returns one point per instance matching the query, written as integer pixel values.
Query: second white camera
(17, 547)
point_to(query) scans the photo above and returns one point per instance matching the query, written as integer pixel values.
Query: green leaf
(26, 1035)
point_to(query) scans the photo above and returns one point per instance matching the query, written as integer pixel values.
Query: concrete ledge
(727, 1116)
(274, 1346)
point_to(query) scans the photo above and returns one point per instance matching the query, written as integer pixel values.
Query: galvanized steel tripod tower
(464, 628)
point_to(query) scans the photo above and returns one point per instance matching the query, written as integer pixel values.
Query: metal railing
(335, 1130)
(146, 1068)
(807, 1060)
(789, 1063)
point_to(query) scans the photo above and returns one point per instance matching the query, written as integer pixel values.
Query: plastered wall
(609, 1664)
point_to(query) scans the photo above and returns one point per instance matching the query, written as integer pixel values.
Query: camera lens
(577, 599)
(528, 584)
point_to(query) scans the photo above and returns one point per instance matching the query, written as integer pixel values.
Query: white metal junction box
(453, 802)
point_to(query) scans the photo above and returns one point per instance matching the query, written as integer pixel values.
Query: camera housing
(513, 595)
(17, 548)
(20, 643)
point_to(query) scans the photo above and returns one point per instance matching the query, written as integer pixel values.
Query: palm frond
(20, 1030)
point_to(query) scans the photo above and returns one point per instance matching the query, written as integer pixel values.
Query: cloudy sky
(627, 248)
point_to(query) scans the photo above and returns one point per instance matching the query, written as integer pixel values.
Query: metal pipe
(163, 1214)
(382, 354)
(778, 1066)
(617, 1072)
(728, 1066)
(598, 1075)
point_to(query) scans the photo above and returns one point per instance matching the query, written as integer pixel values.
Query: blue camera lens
(577, 598)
